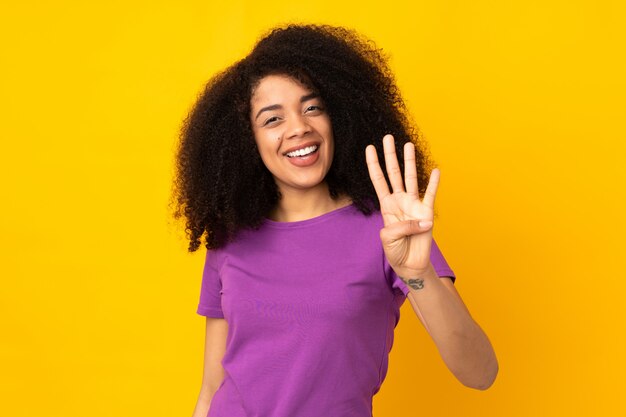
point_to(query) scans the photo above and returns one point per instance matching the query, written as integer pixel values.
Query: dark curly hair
(221, 185)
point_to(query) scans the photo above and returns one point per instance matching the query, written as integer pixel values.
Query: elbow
(485, 379)
(484, 384)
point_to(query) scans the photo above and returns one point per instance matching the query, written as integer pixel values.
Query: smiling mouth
(303, 152)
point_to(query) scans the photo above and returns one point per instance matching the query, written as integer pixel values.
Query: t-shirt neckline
(307, 222)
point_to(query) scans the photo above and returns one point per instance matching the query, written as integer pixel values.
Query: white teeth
(303, 151)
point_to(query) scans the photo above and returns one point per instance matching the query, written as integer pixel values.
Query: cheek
(263, 142)
(263, 152)
(328, 133)
(331, 145)
(267, 148)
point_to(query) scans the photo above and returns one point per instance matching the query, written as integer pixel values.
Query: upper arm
(214, 350)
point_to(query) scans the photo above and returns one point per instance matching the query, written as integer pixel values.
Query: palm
(406, 238)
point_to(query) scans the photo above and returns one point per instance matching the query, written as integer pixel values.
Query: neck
(296, 205)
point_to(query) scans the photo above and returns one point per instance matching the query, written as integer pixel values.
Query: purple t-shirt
(311, 308)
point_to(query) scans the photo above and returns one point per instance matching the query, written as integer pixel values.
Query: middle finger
(391, 164)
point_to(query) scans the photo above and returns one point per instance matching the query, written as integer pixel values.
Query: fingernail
(424, 224)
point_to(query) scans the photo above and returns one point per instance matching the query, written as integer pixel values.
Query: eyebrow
(278, 106)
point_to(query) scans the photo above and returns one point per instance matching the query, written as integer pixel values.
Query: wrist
(418, 279)
(425, 274)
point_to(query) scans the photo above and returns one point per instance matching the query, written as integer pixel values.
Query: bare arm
(213, 373)
(406, 240)
(463, 346)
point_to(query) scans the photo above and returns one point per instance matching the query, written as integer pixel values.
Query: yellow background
(522, 103)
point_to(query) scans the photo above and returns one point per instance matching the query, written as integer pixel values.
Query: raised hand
(407, 235)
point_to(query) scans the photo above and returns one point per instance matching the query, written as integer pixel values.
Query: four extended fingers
(393, 172)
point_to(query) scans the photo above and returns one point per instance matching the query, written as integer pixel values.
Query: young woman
(312, 246)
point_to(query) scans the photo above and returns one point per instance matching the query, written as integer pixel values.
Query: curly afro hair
(221, 185)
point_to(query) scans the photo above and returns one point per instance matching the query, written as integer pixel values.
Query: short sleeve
(436, 258)
(210, 304)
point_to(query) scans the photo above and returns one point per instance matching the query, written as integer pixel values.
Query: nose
(297, 126)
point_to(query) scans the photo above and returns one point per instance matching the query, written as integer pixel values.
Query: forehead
(276, 89)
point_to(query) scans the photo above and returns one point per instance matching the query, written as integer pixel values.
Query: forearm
(462, 344)
(203, 404)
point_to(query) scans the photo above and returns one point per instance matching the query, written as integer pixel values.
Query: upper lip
(302, 146)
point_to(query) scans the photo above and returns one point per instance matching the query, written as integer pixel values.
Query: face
(292, 131)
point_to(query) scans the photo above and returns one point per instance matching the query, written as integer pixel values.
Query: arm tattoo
(416, 284)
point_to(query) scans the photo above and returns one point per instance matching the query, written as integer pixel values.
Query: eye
(313, 108)
(270, 120)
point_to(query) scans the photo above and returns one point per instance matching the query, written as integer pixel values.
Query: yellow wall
(522, 103)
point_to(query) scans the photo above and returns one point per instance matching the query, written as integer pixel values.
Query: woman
(310, 253)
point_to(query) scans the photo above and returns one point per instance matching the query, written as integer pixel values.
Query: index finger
(376, 173)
